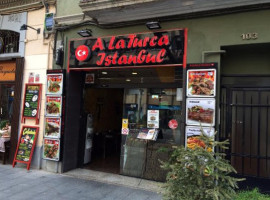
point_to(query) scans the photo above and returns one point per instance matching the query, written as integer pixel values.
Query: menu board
(31, 105)
(148, 134)
(53, 106)
(153, 119)
(201, 83)
(51, 149)
(193, 133)
(200, 111)
(54, 84)
(52, 127)
(26, 145)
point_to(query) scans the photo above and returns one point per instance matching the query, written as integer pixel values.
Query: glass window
(6, 103)
(140, 157)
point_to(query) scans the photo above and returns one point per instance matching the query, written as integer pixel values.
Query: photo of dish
(27, 104)
(51, 151)
(35, 97)
(198, 113)
(201, 86)
(53, 107)
(52, 129)
(34, 112)
(53, 86)
(153, 118)
(194, 141)
(21, 152)
(201, 83)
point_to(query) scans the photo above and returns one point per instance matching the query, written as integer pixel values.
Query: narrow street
(19, 184)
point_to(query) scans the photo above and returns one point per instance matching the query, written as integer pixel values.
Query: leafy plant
(199, 174)
(253, 194)
(3, 123)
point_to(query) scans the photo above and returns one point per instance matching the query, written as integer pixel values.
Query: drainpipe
(204, 53)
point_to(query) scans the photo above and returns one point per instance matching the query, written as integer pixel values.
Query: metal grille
(9, 42)
(246, 119)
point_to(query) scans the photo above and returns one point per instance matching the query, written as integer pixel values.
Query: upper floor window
(9, 41)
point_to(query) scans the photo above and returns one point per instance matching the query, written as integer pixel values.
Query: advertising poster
(148, 134)
(200, 111)
(52, 127)
(153, 119)
(192, 133)
(201, 83)
(26, 145)
(51, 149)
(53, 106)
(31, 103)
(54, 84)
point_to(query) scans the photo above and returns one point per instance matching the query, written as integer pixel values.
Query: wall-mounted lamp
(85, 33)
(153, 25)
(24, 27)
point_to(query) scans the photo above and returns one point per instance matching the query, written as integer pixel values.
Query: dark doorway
(245, 115)
(105, 106)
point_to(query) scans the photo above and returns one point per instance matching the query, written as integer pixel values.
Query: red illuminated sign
(155, 48)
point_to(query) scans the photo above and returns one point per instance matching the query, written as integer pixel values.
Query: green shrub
(199, 173)
(253, 194)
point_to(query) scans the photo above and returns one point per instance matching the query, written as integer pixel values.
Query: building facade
(106, 106)
(23, 53)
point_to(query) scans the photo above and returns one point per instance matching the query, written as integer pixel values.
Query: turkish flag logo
(82, 53)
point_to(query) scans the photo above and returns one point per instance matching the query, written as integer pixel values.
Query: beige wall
(38, 58)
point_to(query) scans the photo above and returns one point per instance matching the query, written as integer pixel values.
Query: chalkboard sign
(31, 105)
(26, 145)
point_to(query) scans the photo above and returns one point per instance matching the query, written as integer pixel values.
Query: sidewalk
(19, 184)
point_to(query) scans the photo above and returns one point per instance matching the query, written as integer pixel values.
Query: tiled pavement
(19, 184)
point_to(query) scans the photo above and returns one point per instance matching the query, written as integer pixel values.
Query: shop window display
(6, 105)
(140, 157)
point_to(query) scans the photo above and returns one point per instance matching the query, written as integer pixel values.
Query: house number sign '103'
(249, 36)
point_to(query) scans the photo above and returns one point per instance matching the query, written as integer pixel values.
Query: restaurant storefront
(11, 75)
(127, 92)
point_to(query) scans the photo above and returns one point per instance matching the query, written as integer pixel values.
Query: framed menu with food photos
(52, 128)
(53, 106)
(26, 145)
(54, 84)
(51, 149)
(192, 136)
(200, 111)
(31, 103)
(201, 83)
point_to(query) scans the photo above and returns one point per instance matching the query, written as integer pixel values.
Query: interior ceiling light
(85, 33)
(153, 25)
(24, 27)
(128, 80)
(104, 72)
(134, 73)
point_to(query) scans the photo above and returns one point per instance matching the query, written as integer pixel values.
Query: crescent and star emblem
(82, 53)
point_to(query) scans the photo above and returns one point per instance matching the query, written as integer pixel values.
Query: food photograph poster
(153, 119)
(193, 133)
(53, 106)
(200, 111)
(201, 83)
(52, 127)
(54, 84)
(51, 149)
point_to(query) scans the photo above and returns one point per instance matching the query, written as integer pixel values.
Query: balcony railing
(15, 6)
